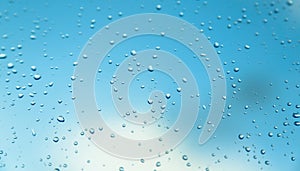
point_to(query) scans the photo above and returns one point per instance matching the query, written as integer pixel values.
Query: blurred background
(258, 43)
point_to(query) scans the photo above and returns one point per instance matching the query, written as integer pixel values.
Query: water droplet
(158, 7)
(55, 139)
(168, 95)
(60, 119)
(184, 157)
(37, 76)
(296, 115)
(142, 160)
(32, 37)
(150, 68)
(270, 134)
(33, 133)
(290, 2)
(73, 78)
(111, 42)
(133, 52)
(10, 65)
(93, 21)
(236, 69)
(181, 14)
(130, 69)
(297, 123)
(75, 143)
(33, 68)
(2, 56)
(158, 164)
(92, 130)
(241, 136)
(267, 162)
(216, 45)
(247, 46)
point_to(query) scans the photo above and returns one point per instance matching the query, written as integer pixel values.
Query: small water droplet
(37, 76)
(168, 95)
(10, 65)
(270, 134)
(20, 95)
(241, 136)
(184, 157)
(248, 149)
(130, 69)
(55, 139)
(296, 115)
(33, 133)
(158, 7)
(33, 68)
(2, 56)
(93, 21)
(181, 14)
(150, 68)
(267, 162)
(247, 46)
(216, 45)
(236, 69)
(92, 130)
(60, 119)
(290, 2)
(32, 37)
(133, 52)
(262, 151)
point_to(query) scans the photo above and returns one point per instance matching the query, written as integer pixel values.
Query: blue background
(262, 103)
